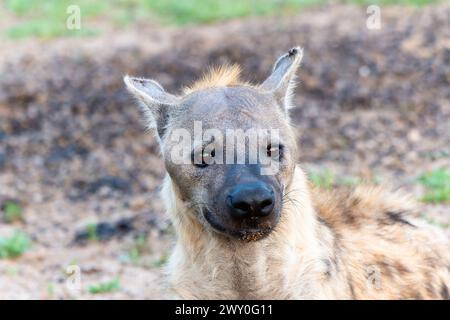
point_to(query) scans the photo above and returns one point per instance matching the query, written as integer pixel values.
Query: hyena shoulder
(362, 205)
(382, 246)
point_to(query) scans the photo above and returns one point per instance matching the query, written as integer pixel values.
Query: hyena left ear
(155, 103)
(282, 79)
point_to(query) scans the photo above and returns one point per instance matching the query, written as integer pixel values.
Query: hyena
(246, 235)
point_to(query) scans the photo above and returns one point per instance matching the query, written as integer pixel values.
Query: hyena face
(228, 146)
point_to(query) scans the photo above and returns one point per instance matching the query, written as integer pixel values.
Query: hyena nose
(251, 200)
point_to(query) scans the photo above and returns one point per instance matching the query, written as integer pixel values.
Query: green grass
(349, 180)
(437, 185)
(161, 261)
(14, 246)
(139, 251)
(324, 179)
(435, 222)
(12, 211)
(91, 230)
(12, 271)
(105, 287)
(42, 28)
(203, 11)
(47, 18)
(50, 290)
(138, 248)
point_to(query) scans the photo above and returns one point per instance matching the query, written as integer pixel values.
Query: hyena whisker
(198, 204)
(293, 202)
(291, 191)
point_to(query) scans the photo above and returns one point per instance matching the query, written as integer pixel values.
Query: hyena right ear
(282, 79)
(153, 100)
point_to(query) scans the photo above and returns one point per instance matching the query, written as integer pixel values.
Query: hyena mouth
(247, 234)
(250, 236)
(210, 219)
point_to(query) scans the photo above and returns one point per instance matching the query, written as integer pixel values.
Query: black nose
(251, 200)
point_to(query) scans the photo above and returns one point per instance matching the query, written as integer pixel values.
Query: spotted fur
(349, 244)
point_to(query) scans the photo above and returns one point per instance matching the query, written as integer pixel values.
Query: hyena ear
(153, 100)
(282, 79)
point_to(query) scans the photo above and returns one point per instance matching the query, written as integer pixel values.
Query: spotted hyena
(242, 233)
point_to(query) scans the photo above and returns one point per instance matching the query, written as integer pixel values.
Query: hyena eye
(204, 158)
(275, 151)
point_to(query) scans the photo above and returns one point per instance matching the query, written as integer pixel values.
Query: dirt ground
(73, 152)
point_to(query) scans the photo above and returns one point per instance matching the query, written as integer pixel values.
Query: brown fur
(329, 245)
(220, 76)
(384, 250)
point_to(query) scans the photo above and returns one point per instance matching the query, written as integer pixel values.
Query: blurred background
(79, 176)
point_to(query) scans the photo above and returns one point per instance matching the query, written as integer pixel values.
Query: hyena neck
(207, 265)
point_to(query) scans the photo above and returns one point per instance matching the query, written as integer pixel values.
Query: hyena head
(228, 146)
